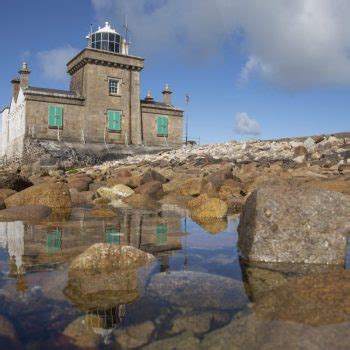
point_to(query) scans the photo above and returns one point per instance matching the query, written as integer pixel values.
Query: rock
(117, 191)
(101, 201)
(25, 213)
(299, 159)
(150, 188)
(309, 144)
(213, 226)
(135, 336)
(138, 200)
(210, 190)
(315, 300)
(338, 185)
(102, 256)
(80, 184)
(105, 276)
(81, 333)
(251, 332)
(152, 175)
(8, 335)
(15, 182)
(197, 323)
(180, 342)
(84, 197)
(197, 290)
(6, 192)
(190, 187)
(53, 195)
(211, 208)
(300, 151)
(130, 181)
(285, 223)
(100, 212)
(228, 191)
(123, 172)
(193, 203)
(235, 204)
(218, 178)
(173, 184)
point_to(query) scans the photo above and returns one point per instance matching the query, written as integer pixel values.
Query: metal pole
(187, 117)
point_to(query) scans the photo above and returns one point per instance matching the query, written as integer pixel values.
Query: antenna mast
(187, 117)
(127, 30)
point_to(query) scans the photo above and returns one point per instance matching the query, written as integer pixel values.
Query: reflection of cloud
(53, 62)
(289, 43)
(245, 125)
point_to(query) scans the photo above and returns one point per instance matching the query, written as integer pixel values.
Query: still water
(198, 287)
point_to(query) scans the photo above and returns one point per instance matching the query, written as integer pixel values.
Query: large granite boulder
(52, 195)
(286, 223)
(211, 208)
(115, 192)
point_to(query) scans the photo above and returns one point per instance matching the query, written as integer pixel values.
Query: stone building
(102, 106)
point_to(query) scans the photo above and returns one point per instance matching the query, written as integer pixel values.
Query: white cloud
(245, 125)
(53, 62)
(295, 44)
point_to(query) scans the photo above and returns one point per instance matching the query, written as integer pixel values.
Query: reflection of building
(36, 246)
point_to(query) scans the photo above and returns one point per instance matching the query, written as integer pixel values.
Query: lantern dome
(106, 39)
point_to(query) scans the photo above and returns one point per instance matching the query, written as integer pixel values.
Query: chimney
(149, 97)
(24, 76)
(15, 88)
(167, 95)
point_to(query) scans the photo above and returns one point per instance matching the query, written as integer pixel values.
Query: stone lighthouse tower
(105, 75)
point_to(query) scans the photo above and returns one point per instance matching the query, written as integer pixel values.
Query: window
(162, 126)
(113, 86)
(112, 235)
(161, 233)
(114, 121)
(55, 118)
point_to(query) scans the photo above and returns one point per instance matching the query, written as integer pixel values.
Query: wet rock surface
(294, 224)
(197, 290)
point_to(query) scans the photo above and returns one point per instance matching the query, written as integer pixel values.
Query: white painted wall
(13, 126)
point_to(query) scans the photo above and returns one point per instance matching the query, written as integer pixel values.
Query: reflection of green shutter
(161, 233)
(55, 117)
(54, 241)
(114, 121)
(162, 126)
(112, 236)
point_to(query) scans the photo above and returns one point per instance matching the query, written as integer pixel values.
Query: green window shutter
(51, 119)
(55, 116)
(162, 126)
(112, 236)
(159, 126)
(165, 126)
(114, 121)
(161, 233)
(59, 116)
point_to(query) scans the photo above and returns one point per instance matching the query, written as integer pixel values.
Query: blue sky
(252, 68)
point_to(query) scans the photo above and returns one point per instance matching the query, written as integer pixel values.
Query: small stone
(211, 208)
(135, 336)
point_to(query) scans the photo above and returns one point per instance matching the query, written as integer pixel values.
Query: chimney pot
(167, 95)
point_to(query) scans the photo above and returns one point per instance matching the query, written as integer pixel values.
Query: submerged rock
(293, 224)
(197, 290)
(53, 195)
(135, 336)
(180, 342)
